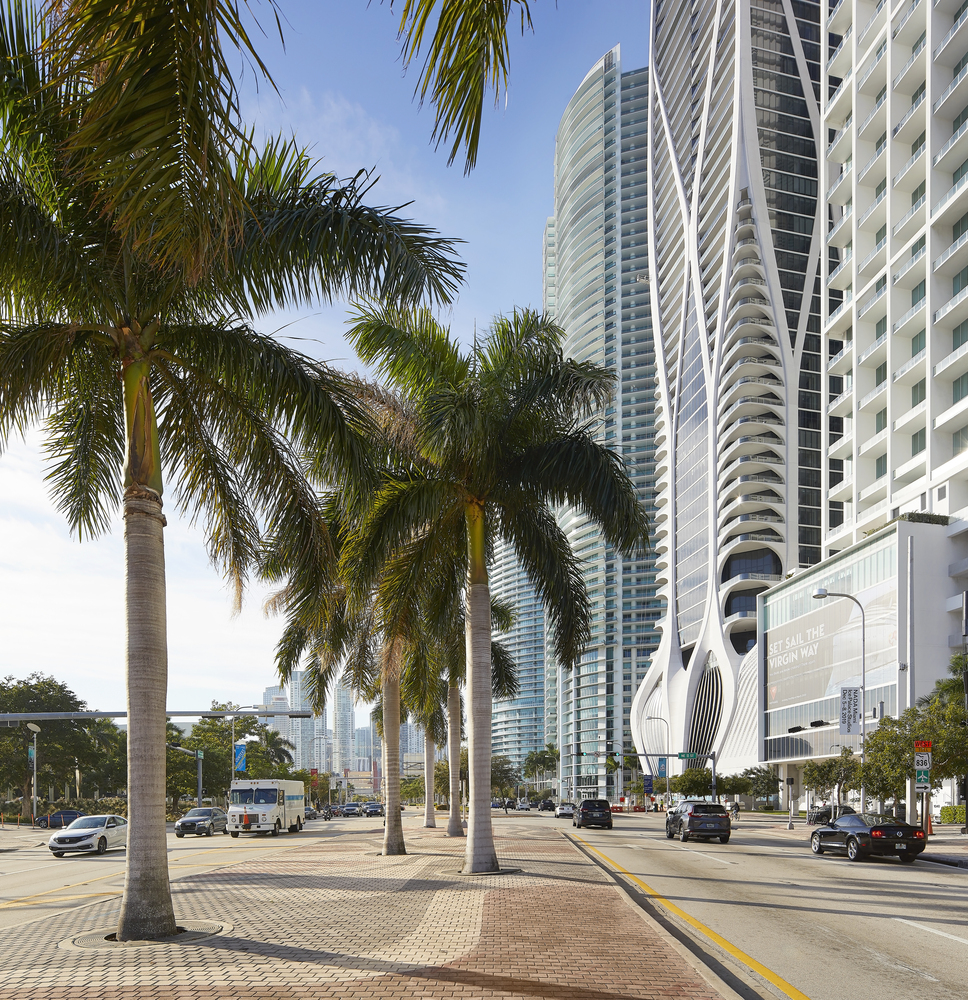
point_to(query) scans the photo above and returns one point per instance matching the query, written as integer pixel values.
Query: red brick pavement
(333, 919)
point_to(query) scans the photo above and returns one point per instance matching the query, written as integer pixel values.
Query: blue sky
(342, 92)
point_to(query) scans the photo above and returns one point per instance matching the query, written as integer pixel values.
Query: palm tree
(950, 690)
(505, 434)
(276, 749)
(140, 232)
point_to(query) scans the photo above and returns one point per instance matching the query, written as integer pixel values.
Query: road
(34, 885)
(829, 927)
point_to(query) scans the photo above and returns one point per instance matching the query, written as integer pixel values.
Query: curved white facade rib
(736, 239)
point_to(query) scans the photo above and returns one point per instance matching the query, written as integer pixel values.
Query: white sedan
(90, 833)
(564, 809)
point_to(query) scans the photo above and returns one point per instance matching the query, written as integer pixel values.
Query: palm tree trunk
(455, 827)
(393, 831)
(146, 909)
(430, 752)
(479, 855)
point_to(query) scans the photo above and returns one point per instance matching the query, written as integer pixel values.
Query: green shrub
(953, 814)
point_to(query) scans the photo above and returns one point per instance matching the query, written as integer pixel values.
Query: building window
(880, 420)
(880, 327)
(959, 335)
(918, 392)
(959, 388)
(959, 281)
(959, 440)
(917, 344)
(880, 374)
(917, 293)
(917, 194)
(917, 442)
(880, 466)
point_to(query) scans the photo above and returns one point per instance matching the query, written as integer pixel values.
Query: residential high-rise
(301, 731)
(344, 726)
(596, 286)
(736, 241)
(519, 724)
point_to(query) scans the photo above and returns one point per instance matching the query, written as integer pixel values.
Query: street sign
(850, 711)
(922, 781)
(239, 756)
(647, 784)
(201, 754)
(688, 756)
(922, 762)
(922, 744)
(30, 755)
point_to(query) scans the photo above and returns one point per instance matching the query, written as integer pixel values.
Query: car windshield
(708, 809)
(88, 823)
(249, 796)
(198, 812)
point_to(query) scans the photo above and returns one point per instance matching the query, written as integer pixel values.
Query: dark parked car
(372, 808)
(310, 813)
(860, 834)
(63, 817)
(202, 822)
(702, 820)
(823, 814)
(546, 805)
(593, 812)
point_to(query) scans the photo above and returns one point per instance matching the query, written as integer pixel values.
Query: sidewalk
(331, 918)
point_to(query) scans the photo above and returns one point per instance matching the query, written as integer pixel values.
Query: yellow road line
(781, 984)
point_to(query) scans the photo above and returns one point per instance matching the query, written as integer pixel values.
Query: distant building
(344, 728)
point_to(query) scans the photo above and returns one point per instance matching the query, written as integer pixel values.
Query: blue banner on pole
(239, 756)
(662, 767)
(647, 784)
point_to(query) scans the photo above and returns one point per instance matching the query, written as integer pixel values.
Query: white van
(266, 805)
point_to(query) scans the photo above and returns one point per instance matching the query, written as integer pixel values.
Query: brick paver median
(333, 919)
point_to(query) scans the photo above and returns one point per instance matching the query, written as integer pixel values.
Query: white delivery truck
(266, 805)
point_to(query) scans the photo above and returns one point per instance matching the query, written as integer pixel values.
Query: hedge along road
(35, 885)
(813, 927)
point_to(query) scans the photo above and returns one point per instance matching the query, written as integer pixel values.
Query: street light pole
(35, 729)
(665, 722)
(820, 594)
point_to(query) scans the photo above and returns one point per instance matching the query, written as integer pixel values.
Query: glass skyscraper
(736, 240)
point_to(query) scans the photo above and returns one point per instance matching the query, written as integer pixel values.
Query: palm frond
(467, 57)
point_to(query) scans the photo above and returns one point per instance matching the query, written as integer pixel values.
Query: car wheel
(815, 845)
(853, 850)
(670, 833)
(102, 845)
(179, 835)
(276, 829)
(210, 832)
(299, 825)
(60, 854)
(43, 823)
(724, 840)
(683, 833)
(908, 859)
(234, 833)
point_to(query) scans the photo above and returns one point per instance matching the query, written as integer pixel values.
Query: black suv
(593, 812)
(546, 805)
(703, 820)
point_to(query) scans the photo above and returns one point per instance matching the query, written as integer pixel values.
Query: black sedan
(869, 833)
(202, 822)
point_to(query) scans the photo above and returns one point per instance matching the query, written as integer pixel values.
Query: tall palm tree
(950, 690)
(276, 749)
(506, 433)
(140, 233)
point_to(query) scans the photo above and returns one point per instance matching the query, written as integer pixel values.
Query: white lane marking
(932, 930)
(712, 857)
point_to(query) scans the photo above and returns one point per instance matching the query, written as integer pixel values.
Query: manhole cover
(189, 932)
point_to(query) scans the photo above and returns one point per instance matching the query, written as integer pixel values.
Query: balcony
(872, 208)
(873, 254)
(954, 416)
(842, 308)
(836, 184)
(873, 442)
(909, 371)
(840, 48)
(909, 315)
(844, 130)
(873, 350)
(913, 214)
(876, 491)
(912, 469)
(866, 122)
(872, 395)
(869, 304)
(912, 419)
(949, 198)
(953, 88)
(950, 364)
(908, 264)
(955, 28)
(873, 19)
(836, 17)
(838, 226)
(915, 52)
(907, 117)
(841, 404)
(842, 88)
(840, 361)
(904, 20)
(954, 143)
(844, 490)
(878, 59)
(951, 304)
(870, 163)
(907, 166)
(840, 272)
